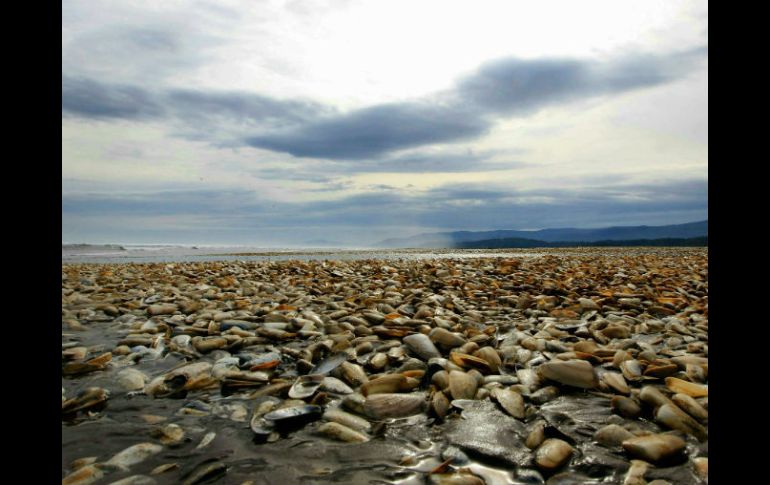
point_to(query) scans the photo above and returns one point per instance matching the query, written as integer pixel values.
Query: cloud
(90, 99)
(374, 131)
(385, 211)
(502, 88)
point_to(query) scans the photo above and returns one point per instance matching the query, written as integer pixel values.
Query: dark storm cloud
(506, 87)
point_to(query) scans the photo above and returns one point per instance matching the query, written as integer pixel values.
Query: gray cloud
(385, 211)
(371, 132)
(90, 99)
(506, 87)
(503, 87)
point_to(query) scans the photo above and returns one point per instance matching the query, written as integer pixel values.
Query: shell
(612, 435)
(625, 407)
(654, 448)
(511, 401)
(342, 433)
(684, 387)
(382, 406)
(305, 386)
(673, 417)
(462, 385)
(576, 373)
(552, 454)
(421, 345)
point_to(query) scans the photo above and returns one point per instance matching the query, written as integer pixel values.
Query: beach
(585, 365)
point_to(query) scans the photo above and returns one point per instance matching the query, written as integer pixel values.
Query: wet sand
(496, 326)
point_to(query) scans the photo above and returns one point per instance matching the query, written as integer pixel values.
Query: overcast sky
(284, 122)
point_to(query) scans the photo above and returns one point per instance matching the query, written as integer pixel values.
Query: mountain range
(462, 239)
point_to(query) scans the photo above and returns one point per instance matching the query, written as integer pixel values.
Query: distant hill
(532, 243)
(323, 243)
(92, 247)
(616, 233)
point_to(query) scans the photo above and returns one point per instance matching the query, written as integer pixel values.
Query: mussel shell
(294, 416)
(305, 386)
(329, 364)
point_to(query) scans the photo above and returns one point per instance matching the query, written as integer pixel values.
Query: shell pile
(345, 351)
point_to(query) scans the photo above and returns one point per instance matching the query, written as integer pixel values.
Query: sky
(289, 123)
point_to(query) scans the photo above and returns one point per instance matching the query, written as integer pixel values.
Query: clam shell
(616, 382)
(440, 404)
(654, 448)
(329, 364)
(350, 420)
(305, 386)
(536, 436)
(334, 385)
(491, 356)
(421, 345)
(341, 432)
(511, 401)
(133, 455)
(294, 416)
(470, 362)
(382, 406)
(690, 406)
(684, 387)
(552, 454)
(446, 339)
(612, 435)
(388, 383)
(576, 373)
(462, 385)
(673, 417)
(625, 407)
